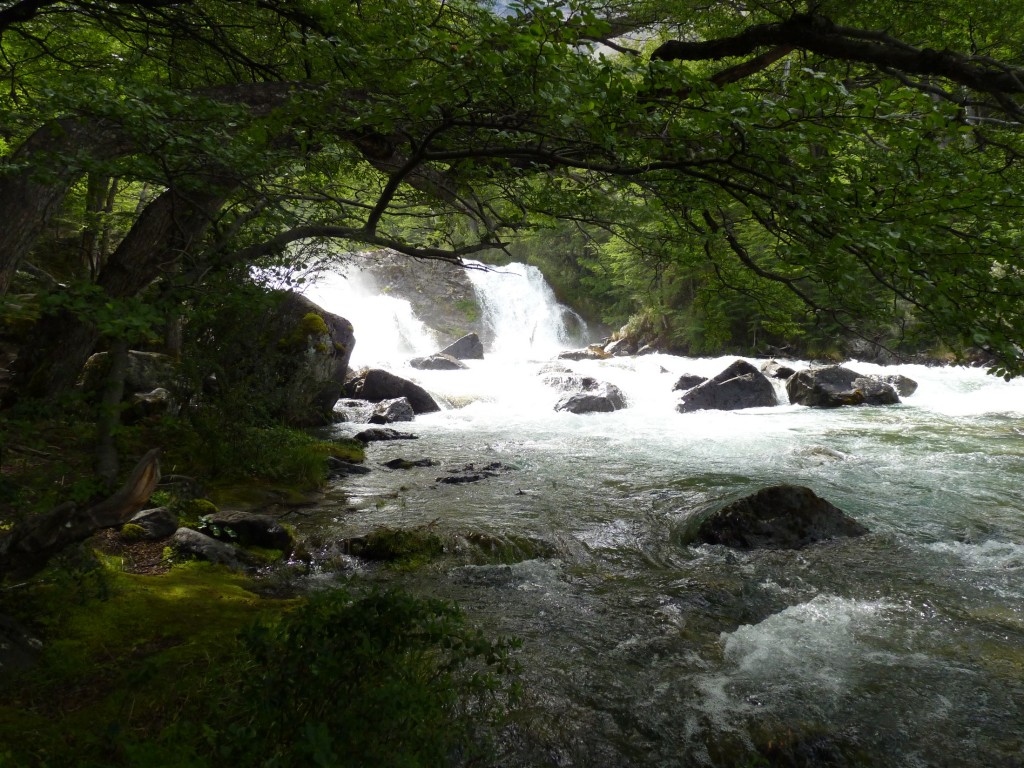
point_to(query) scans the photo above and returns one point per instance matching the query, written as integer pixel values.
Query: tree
(833, 155)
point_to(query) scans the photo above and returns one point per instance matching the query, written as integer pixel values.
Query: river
(901, 648)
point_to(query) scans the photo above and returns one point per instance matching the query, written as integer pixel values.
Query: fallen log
(27, 547)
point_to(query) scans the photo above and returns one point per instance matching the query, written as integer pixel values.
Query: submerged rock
(469, 347)
(740, 385)
(408, 463)
(341, 468)
(375, 385)
(833, 386)
(376, 434)
(777, 517)
(470, 473)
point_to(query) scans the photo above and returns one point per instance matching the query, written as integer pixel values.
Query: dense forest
(739, 176)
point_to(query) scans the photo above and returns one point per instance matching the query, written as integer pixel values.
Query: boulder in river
(375, 385)
(377, 434)
(688, 381)
(832, 386)
(469, 347)
(588, 353)
(602, 398)
(438, 362)
(390, 411)
(773, 369)
(740, 385)
(904, 385)
(777, 517)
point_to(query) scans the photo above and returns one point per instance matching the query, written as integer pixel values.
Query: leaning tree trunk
(30, 545)
(169, 227)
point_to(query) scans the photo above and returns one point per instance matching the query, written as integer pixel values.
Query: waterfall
(386, 328)
(523, 318)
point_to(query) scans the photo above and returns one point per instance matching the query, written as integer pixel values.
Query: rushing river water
(901, 648)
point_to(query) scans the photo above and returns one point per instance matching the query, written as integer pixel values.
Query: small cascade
(521, 312)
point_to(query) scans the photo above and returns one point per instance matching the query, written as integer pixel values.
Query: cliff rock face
(440, 293)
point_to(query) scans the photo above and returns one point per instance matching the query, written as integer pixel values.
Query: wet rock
(471, 473)
(354, 411)
(602, 398)
(773, 369)
(469, 347)
(688, 381)
(740, 385)
(833, 386)
(589, 353)
(777, 517)
(336, 466)
(195, 545)
(390, 411)
(409, 464)
(904, 385)
(377, 434)
(570, 382)
(621, 348)
(375, 385)
(438, 362)
(440, 293)
(157, 523)
(249, 530)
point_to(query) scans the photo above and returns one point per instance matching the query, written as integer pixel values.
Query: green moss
(401, 547)
(192, 512)
(125, 669)
(346, 449)
(132, 532)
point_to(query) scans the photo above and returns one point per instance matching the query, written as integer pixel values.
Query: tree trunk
(169, 227)
(110, 413)
(29, 546)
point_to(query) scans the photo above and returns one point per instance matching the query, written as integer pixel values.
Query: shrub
(382, 679)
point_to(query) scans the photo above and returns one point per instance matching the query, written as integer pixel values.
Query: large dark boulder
(469, 347)
(740, 385)
(317, 345)
(603, 398)
(375, 385)
(439, 362)
(833, 385)
(778, 517)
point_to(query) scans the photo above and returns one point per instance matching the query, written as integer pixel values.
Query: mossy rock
(132, 532)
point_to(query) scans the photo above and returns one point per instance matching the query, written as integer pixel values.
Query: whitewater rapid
(905, 647)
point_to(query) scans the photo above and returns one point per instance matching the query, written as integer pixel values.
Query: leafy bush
(382, 679)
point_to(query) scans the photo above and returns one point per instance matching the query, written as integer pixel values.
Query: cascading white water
(522, 313)
(899, 648)
(386, 329)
